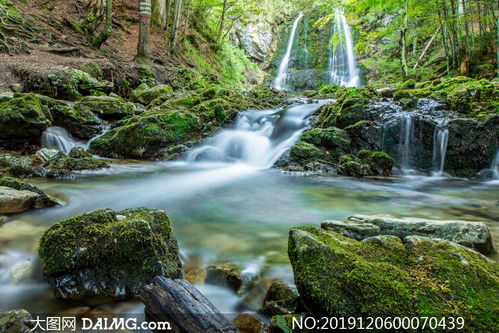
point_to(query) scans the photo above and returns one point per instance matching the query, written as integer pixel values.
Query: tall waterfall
(58, 138)
(342, 69)
(282, 75)
(258, 138)
(440, 141)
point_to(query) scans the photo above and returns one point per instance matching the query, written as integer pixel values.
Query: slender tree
(107, 31)
(143, 47)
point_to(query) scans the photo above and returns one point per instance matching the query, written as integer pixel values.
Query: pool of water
(229, 212)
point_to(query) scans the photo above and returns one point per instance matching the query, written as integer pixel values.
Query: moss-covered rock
(78, 159)
(385, 277)
(279, 300)
(333, 140)
(304, 152)
(225, 274)
(41, 201)
(409, 84)
(106, 107)
(349, 107)
(69, 85)
(22, 121)
(81, 122)
(148, 136)
(20, 166)
(366, 163)
(145, 95)
(107, 255)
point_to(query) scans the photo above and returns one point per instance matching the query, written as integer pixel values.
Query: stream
(227, 203)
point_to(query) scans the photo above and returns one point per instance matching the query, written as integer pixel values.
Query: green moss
(23, 118)
(337, 276)
(332, 139)
(409, 84)
(366, 163)
(80, 122)
(149, 135)
(43, 200)
(145, 95)
(106, 107)
(305, 152)
(348, 109)
(78, 159)
(126, 249)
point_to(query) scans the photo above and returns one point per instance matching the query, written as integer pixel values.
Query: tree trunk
(421, 57)
(167, 13)
(184, 307)
(143, 48)
(175, 26)
(187, 16)
(222, 22)
(403, 36)
(108, 26)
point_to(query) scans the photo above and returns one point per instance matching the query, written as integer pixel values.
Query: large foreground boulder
(471, 234)
(384, 276)
(107, 255)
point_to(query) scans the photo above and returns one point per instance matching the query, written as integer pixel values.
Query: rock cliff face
(256, 38)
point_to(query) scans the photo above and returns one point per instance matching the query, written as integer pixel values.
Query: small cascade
(406, 138)
(258, 138)
(282, 75)
(494, 166)
(440, 141)
(58, 138)
(342, 69)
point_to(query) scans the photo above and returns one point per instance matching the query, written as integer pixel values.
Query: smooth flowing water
(226, 203)
(440, 141)
(59, 139)
(282, 74)
(406, 133)
(343, 70)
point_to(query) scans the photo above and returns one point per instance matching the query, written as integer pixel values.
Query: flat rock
(13, 201)
(474, 235)
(18, 321)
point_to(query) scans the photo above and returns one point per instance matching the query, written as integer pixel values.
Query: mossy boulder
(81, 122)
(22, 121)
(409, 84)
(304, 152)
(145, 95)
(149, 136)
(42, 200)
(20, 166)
(333, 140)
(385, 276)
(69, 85)
(106, 107)
(217, 109)
(349, 108)
(366, 163)
(78, 159)
(106, 255)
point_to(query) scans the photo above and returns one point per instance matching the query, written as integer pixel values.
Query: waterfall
(258, 138)
(495, 165)
(440, 140)
(282, 75)
(342, 69)
(406, 133)
(58, 138)
(305, 48)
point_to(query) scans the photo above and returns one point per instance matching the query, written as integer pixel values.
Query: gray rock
(474, 235)
(16, 321)
(13, 201)
(256, 38)
(46, 154)
(353, 230)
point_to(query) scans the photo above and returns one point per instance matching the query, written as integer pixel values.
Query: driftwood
(184, 307)
(64, 50)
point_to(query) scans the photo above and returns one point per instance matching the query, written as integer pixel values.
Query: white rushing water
(440, 141)
(494, 166)
(59, 139)
(282, 75)
(406, 133)
(343, 70)
(258, 138)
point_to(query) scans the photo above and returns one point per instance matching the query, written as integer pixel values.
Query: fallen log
(184, 307)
